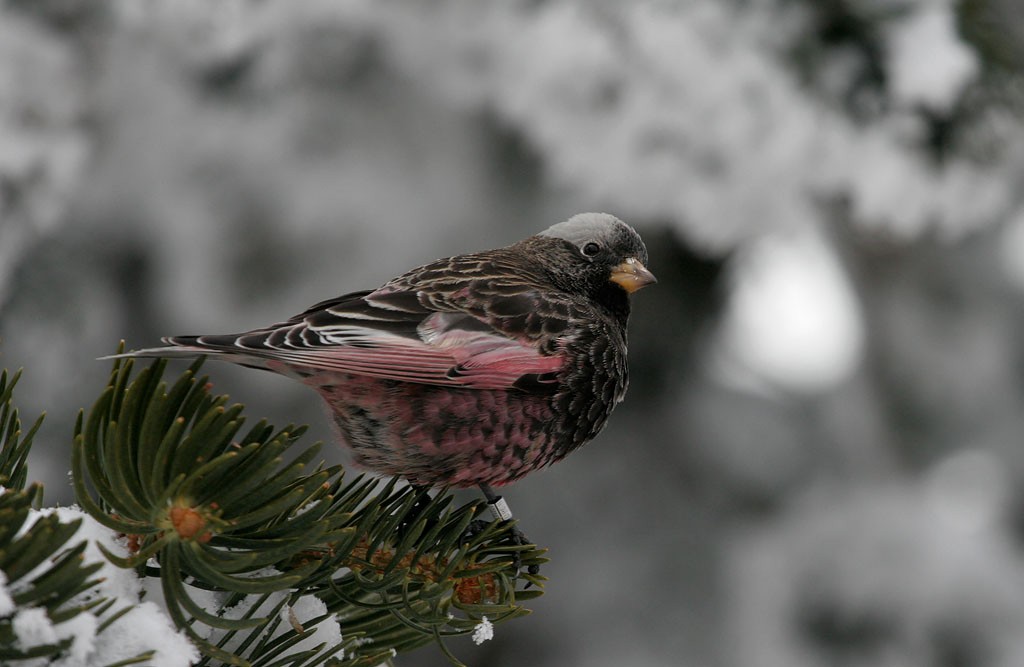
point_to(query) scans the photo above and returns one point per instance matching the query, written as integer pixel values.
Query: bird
(472, 370)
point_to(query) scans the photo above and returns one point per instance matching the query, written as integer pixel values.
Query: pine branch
(41, 569)
(232, 518)
(31, 578)
(14, 446)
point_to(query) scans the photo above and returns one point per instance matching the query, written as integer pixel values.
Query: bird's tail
(217, 347)
(177, 347)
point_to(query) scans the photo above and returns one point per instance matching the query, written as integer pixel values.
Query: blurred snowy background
(821, 455)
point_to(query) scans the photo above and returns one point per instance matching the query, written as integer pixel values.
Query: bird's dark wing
(399, 335)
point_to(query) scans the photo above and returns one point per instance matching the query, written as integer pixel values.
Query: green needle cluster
(209, 507)
(41, 566)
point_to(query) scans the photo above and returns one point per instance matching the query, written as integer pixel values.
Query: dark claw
(475, 527)
(520, 539)
(516, 538)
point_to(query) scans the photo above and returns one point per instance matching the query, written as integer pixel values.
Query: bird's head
(602, 256)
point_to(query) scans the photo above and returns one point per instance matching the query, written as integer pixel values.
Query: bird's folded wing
(394, 337)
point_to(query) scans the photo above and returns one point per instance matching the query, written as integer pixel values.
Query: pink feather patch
(473, 360)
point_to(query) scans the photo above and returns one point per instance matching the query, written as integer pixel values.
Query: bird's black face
(607, 256)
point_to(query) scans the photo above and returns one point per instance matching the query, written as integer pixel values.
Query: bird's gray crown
(603, 228)
(584, 227)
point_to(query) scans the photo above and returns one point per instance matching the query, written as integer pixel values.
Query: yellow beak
(631, 275)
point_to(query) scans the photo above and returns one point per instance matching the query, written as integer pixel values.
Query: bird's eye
(591, 249)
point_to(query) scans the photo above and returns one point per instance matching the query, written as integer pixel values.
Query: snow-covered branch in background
(904, 574)
(705, 113)
(694, 111)
(42, 142)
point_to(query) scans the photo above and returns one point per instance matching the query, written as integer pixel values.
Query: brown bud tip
(475, 589)
(189, 523)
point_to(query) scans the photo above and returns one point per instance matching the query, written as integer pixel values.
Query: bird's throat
(615, 300)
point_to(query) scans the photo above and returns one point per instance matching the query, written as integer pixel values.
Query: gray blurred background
(819, 462)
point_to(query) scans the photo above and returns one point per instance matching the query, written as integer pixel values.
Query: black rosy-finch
(471, 370)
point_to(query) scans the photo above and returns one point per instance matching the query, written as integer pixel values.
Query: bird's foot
(516, 538)
(501, 512)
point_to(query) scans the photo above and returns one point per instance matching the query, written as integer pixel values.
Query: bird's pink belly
(437, 435)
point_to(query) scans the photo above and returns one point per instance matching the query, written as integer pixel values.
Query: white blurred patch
(928, 63)
(792, 322)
